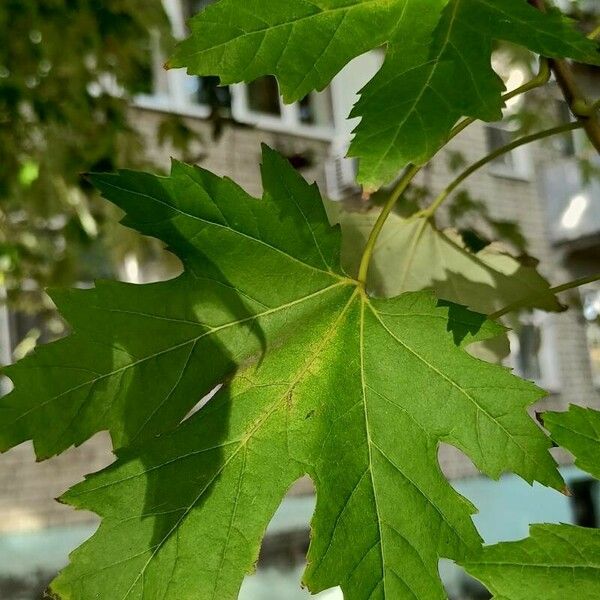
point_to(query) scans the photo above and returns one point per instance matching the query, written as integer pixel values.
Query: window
(533, 349)
(527, 347)
(257, 103)
(593, 341)
(174, 90)
(316, 109)
(263, 96)
(573, 143)
(203, 90)
(515, 164)
(591, 312)
(206, 91)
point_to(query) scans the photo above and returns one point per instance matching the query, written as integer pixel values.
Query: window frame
(175, 100)
(592, 329)
(522, 158)
(288, 120)
(550, 377)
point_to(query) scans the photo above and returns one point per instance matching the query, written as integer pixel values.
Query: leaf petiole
(571, 285)
(400, 188)
(442, 197)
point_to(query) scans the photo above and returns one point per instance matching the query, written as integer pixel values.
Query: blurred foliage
(68, 71)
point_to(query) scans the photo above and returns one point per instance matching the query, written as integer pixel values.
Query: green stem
(541, 79)
(585, 110)
(430, 211)
(555, 290)
(595, 34)
(400, 188)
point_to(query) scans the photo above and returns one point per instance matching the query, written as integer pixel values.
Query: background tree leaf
(412, 254)
(62, 61)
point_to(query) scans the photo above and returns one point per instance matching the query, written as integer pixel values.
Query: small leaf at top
(437, 66)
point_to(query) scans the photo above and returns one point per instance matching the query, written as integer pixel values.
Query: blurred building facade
(542, 188)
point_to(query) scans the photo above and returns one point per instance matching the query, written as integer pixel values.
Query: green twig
(430, 211)
(555, 290)
(400, 188)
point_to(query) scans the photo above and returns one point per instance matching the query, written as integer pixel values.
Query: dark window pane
(307, 113)
(316, 109)
(210, 93)
(497, 138)
(583, 502)
(263, 96)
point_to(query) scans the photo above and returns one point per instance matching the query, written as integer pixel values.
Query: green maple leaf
(554, 563)
(250, 268)
(437, 65)
(320, 379)
(578, 430)
(412, 255)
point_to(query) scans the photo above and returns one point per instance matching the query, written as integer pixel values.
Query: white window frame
(288, 121)
(177, 100)
(550, 378)
(522, 159)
